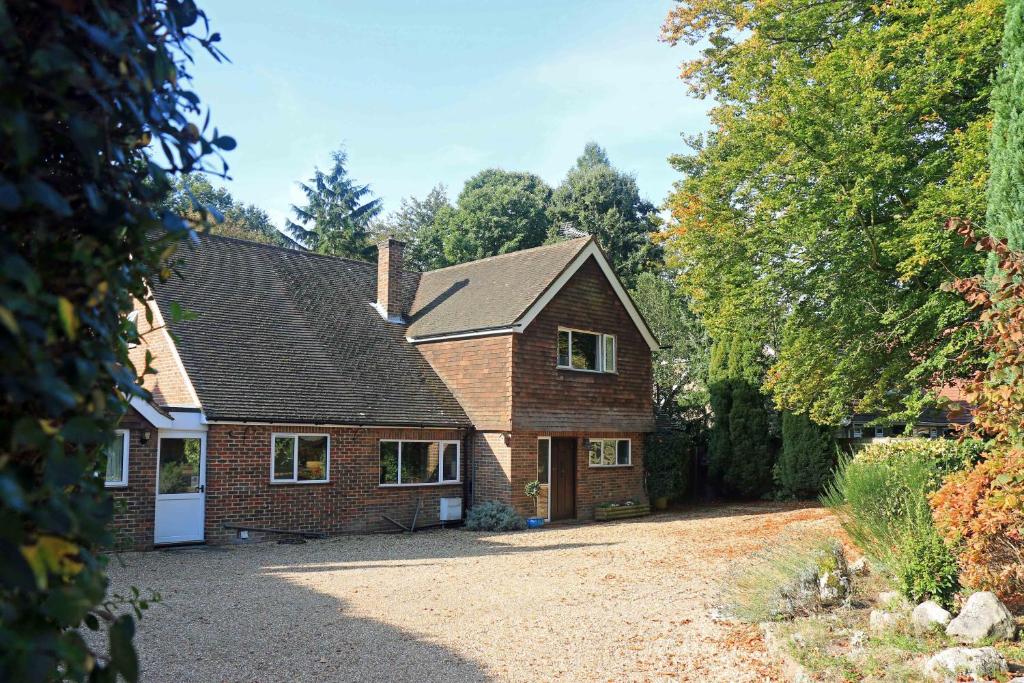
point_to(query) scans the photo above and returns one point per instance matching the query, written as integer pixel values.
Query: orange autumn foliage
(982, 510)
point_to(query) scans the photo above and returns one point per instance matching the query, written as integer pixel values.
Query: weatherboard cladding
(491, 293)
(290, 337)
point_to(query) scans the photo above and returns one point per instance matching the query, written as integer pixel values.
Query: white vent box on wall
(451, 509)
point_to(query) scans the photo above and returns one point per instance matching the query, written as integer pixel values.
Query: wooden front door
(563, 479)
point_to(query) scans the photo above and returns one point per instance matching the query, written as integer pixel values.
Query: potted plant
(533, 490)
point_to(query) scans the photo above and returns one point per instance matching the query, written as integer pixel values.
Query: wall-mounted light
(586, 443)
(145, 436)
(508, 438)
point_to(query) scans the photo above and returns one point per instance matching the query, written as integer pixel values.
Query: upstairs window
(300, 458)
(589, 351)
(408, 463)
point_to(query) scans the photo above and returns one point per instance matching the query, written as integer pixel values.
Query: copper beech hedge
(982, 510)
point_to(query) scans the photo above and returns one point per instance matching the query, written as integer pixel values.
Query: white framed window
(857, 431)
(116, 471)
(300, 458)
(879, 432)
(610, 452)
(586, 351)
(418, 463)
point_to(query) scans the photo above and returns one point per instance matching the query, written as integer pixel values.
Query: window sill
(285, 482)
(589, 372)
(412, 486)
(115, 485)
(607, 467)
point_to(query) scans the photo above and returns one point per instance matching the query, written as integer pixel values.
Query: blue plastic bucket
(535, 522)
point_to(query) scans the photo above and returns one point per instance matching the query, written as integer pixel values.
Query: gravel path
(603, 602)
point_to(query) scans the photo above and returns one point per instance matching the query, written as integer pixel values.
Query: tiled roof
(288, 336)
(491, 293)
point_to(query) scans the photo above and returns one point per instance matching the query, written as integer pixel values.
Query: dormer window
(588, 351)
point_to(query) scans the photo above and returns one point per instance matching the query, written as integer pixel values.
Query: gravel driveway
(611, 602)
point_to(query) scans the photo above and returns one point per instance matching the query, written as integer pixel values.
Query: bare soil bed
(618, 601)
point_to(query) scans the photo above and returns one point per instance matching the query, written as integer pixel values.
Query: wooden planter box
(621, 512)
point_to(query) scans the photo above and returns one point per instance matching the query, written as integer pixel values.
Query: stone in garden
(983, 616)
(880, 620)
(860, 567)
(799, 596)
(833, 578)
(894, 600)
(929, 616)
(952, 664)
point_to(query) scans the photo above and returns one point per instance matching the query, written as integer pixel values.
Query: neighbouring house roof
(290, 337)
(506, 292)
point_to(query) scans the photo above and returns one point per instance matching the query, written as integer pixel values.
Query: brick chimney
(389, 282)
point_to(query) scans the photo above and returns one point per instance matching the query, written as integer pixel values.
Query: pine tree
(750, 467)
(337, 217)
(807, 459)
(1005, 216)
(720, 389)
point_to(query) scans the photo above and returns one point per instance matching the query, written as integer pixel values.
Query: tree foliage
(740, 456)
(413, 224)
(1005, 216)
(86, 89)
(807, 459)
(214, 210)
(982, 509)
(812, 213)
(337, 215)
(681, 363)
(497, 212)
(605, 202)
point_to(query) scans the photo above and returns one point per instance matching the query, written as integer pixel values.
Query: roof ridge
(277, 247)
(509, 253)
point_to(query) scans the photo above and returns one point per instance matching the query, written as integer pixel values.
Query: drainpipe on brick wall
(469, 477)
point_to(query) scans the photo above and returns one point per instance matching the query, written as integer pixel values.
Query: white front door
(180, 487)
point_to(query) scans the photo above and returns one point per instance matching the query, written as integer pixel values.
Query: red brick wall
(594, 485)
(134, 503)
(238, 488)
(478, 371)
(491, 468)
(544, 397)
(169, 384)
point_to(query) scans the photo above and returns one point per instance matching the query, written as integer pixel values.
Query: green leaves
(811, 215)
(87, 87)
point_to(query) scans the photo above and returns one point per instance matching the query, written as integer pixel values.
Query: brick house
(312, 393)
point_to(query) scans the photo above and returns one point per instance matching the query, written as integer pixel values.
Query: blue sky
(427, 92)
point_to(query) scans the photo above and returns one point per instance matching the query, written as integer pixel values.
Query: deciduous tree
(844, 133)
(214, 210)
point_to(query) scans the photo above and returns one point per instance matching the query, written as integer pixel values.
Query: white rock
(928, 616)
(833, 587)
(893, 600)
(979, 663)
(880, 620)
(983, 616)
(860, 567)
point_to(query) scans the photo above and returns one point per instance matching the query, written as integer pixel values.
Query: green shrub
(807, 460)
(494, 516)
(668, 459)
(930, 570)
(881, 499)
(749, 474)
